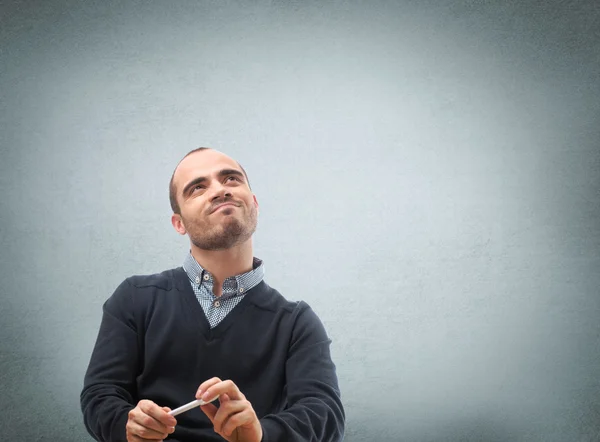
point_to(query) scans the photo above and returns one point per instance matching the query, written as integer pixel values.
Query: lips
(227, 204)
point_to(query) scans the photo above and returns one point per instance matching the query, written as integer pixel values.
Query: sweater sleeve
(314, 409)
(109, 384)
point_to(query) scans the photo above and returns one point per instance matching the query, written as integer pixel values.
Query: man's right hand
(149, 422)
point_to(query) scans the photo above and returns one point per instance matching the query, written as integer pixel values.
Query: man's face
(218, 209)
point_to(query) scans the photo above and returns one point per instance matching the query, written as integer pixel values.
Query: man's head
(212, 201)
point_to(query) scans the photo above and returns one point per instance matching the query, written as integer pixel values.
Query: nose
(219, 191)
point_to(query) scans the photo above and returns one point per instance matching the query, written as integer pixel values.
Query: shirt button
(206, 277)
(197, 280)
(217, 303)
(241, 289)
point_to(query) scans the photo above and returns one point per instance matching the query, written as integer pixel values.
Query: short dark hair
(173, 191)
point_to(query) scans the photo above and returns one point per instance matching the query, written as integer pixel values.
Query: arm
(109, 385)
(314, 411)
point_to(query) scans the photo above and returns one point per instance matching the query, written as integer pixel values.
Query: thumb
(210, 411)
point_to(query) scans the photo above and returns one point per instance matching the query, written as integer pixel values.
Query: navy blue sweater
(155, 343)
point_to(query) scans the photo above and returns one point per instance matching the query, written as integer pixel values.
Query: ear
(178, 224)
(255, 200)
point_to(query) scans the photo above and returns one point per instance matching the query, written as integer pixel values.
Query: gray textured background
(429, 181)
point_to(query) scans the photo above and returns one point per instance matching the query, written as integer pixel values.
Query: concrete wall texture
(429, 181)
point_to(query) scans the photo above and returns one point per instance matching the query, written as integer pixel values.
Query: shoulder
(165, 280)
(295, 319)
(138, 295)
(268, 298)
(142, 285)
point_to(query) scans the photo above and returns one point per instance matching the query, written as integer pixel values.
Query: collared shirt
(234, 288)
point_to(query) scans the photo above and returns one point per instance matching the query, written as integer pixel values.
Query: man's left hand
(235, 420)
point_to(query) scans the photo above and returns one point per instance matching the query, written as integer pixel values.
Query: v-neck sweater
(155, 343)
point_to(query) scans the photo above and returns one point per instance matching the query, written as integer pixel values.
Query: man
(211, 328)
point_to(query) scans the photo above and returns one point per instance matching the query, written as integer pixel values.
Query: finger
(141, 439)
(205, 385)
(223, 387)
(138, 439)
(137, 417)
(226, 411)
(237, 420)
(148, 426)
(158, 414)
(209, 410)
(170, 429)
(145, 433)
(167, 409)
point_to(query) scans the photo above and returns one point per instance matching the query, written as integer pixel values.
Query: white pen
(190, 405)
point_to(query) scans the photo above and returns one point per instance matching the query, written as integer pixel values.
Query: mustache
(227, 200)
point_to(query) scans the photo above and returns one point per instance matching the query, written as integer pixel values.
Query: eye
(197, 188)
(233, 177)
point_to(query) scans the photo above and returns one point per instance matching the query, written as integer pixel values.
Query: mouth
(222, 206)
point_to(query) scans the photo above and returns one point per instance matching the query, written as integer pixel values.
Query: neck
(223, 264)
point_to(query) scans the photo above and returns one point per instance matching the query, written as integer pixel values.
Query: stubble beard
(224, 235)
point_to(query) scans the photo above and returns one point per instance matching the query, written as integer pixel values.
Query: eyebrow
(201, 179)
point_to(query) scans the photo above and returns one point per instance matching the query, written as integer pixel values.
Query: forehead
(202, 164)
